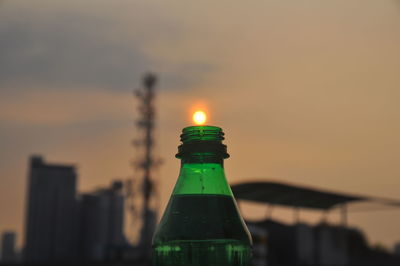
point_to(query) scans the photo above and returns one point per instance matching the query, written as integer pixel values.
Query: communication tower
(145, 162)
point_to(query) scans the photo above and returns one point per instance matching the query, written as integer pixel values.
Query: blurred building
(302, 244)
(51, 212)
(397, 249)
(101, 224)
(147, 231)
(332, 245)
(259, 236)
(278, 244)
(8, 253)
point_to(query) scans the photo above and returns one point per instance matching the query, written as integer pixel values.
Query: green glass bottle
(201, 225)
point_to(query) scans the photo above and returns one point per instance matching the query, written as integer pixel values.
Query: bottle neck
(202, 168)
(202, 175)
(202, 158)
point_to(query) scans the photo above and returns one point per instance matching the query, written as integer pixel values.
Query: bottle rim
(202, 133)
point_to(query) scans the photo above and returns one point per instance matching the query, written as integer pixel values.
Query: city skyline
(62, 225)
(322, 78)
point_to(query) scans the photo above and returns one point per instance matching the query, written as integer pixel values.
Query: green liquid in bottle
(214, 252)
(208, 229)
(201, 225)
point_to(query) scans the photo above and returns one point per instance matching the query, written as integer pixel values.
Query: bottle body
(199, 230)
(201, 225)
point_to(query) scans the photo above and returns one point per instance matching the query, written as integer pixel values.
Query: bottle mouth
(202, 140)
(202, 133)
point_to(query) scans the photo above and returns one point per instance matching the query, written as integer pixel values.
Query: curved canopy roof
(289, 195)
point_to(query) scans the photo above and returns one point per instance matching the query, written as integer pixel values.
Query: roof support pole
(269, 211)
(296, 212)
(344, 214)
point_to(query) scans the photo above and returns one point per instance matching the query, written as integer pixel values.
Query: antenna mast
(146, 162)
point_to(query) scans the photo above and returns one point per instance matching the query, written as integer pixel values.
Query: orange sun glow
(199, 117)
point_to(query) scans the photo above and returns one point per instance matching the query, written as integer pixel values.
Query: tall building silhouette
(101, 223)
(51, 212)
(8, 254)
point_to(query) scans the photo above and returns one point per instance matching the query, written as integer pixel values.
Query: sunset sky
(307, 92)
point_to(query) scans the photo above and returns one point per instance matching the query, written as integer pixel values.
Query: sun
(199, 117)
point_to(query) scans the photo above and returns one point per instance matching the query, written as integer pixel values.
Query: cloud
(66, 52)
(73, 47)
